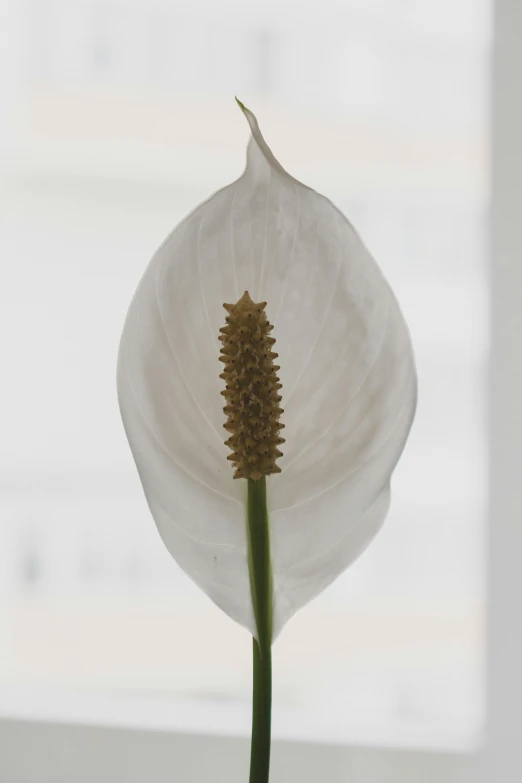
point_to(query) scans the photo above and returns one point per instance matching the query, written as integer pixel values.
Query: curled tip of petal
(259, 145)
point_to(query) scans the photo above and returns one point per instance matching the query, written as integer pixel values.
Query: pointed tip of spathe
(258, 141)
(249, 115)
(251, 119)
(241, 104)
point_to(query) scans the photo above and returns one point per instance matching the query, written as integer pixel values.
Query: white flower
(348, 385)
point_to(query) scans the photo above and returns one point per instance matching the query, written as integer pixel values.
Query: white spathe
(348, 375)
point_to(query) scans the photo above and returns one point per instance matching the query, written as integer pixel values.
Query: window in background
(119, 118)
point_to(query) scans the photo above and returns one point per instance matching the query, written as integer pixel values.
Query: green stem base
(261, 715)
(261, 589)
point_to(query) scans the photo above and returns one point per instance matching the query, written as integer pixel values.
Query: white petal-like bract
(348, 375)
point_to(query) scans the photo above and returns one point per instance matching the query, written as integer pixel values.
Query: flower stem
(261, 589)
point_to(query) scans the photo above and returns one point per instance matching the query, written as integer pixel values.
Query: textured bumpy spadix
(252, 390)
(346, 369)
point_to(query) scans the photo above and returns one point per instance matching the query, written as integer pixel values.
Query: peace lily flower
(344, 388)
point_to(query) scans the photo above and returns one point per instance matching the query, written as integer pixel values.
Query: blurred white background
(118, 118)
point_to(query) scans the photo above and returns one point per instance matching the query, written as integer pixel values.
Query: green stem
(261, 589)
